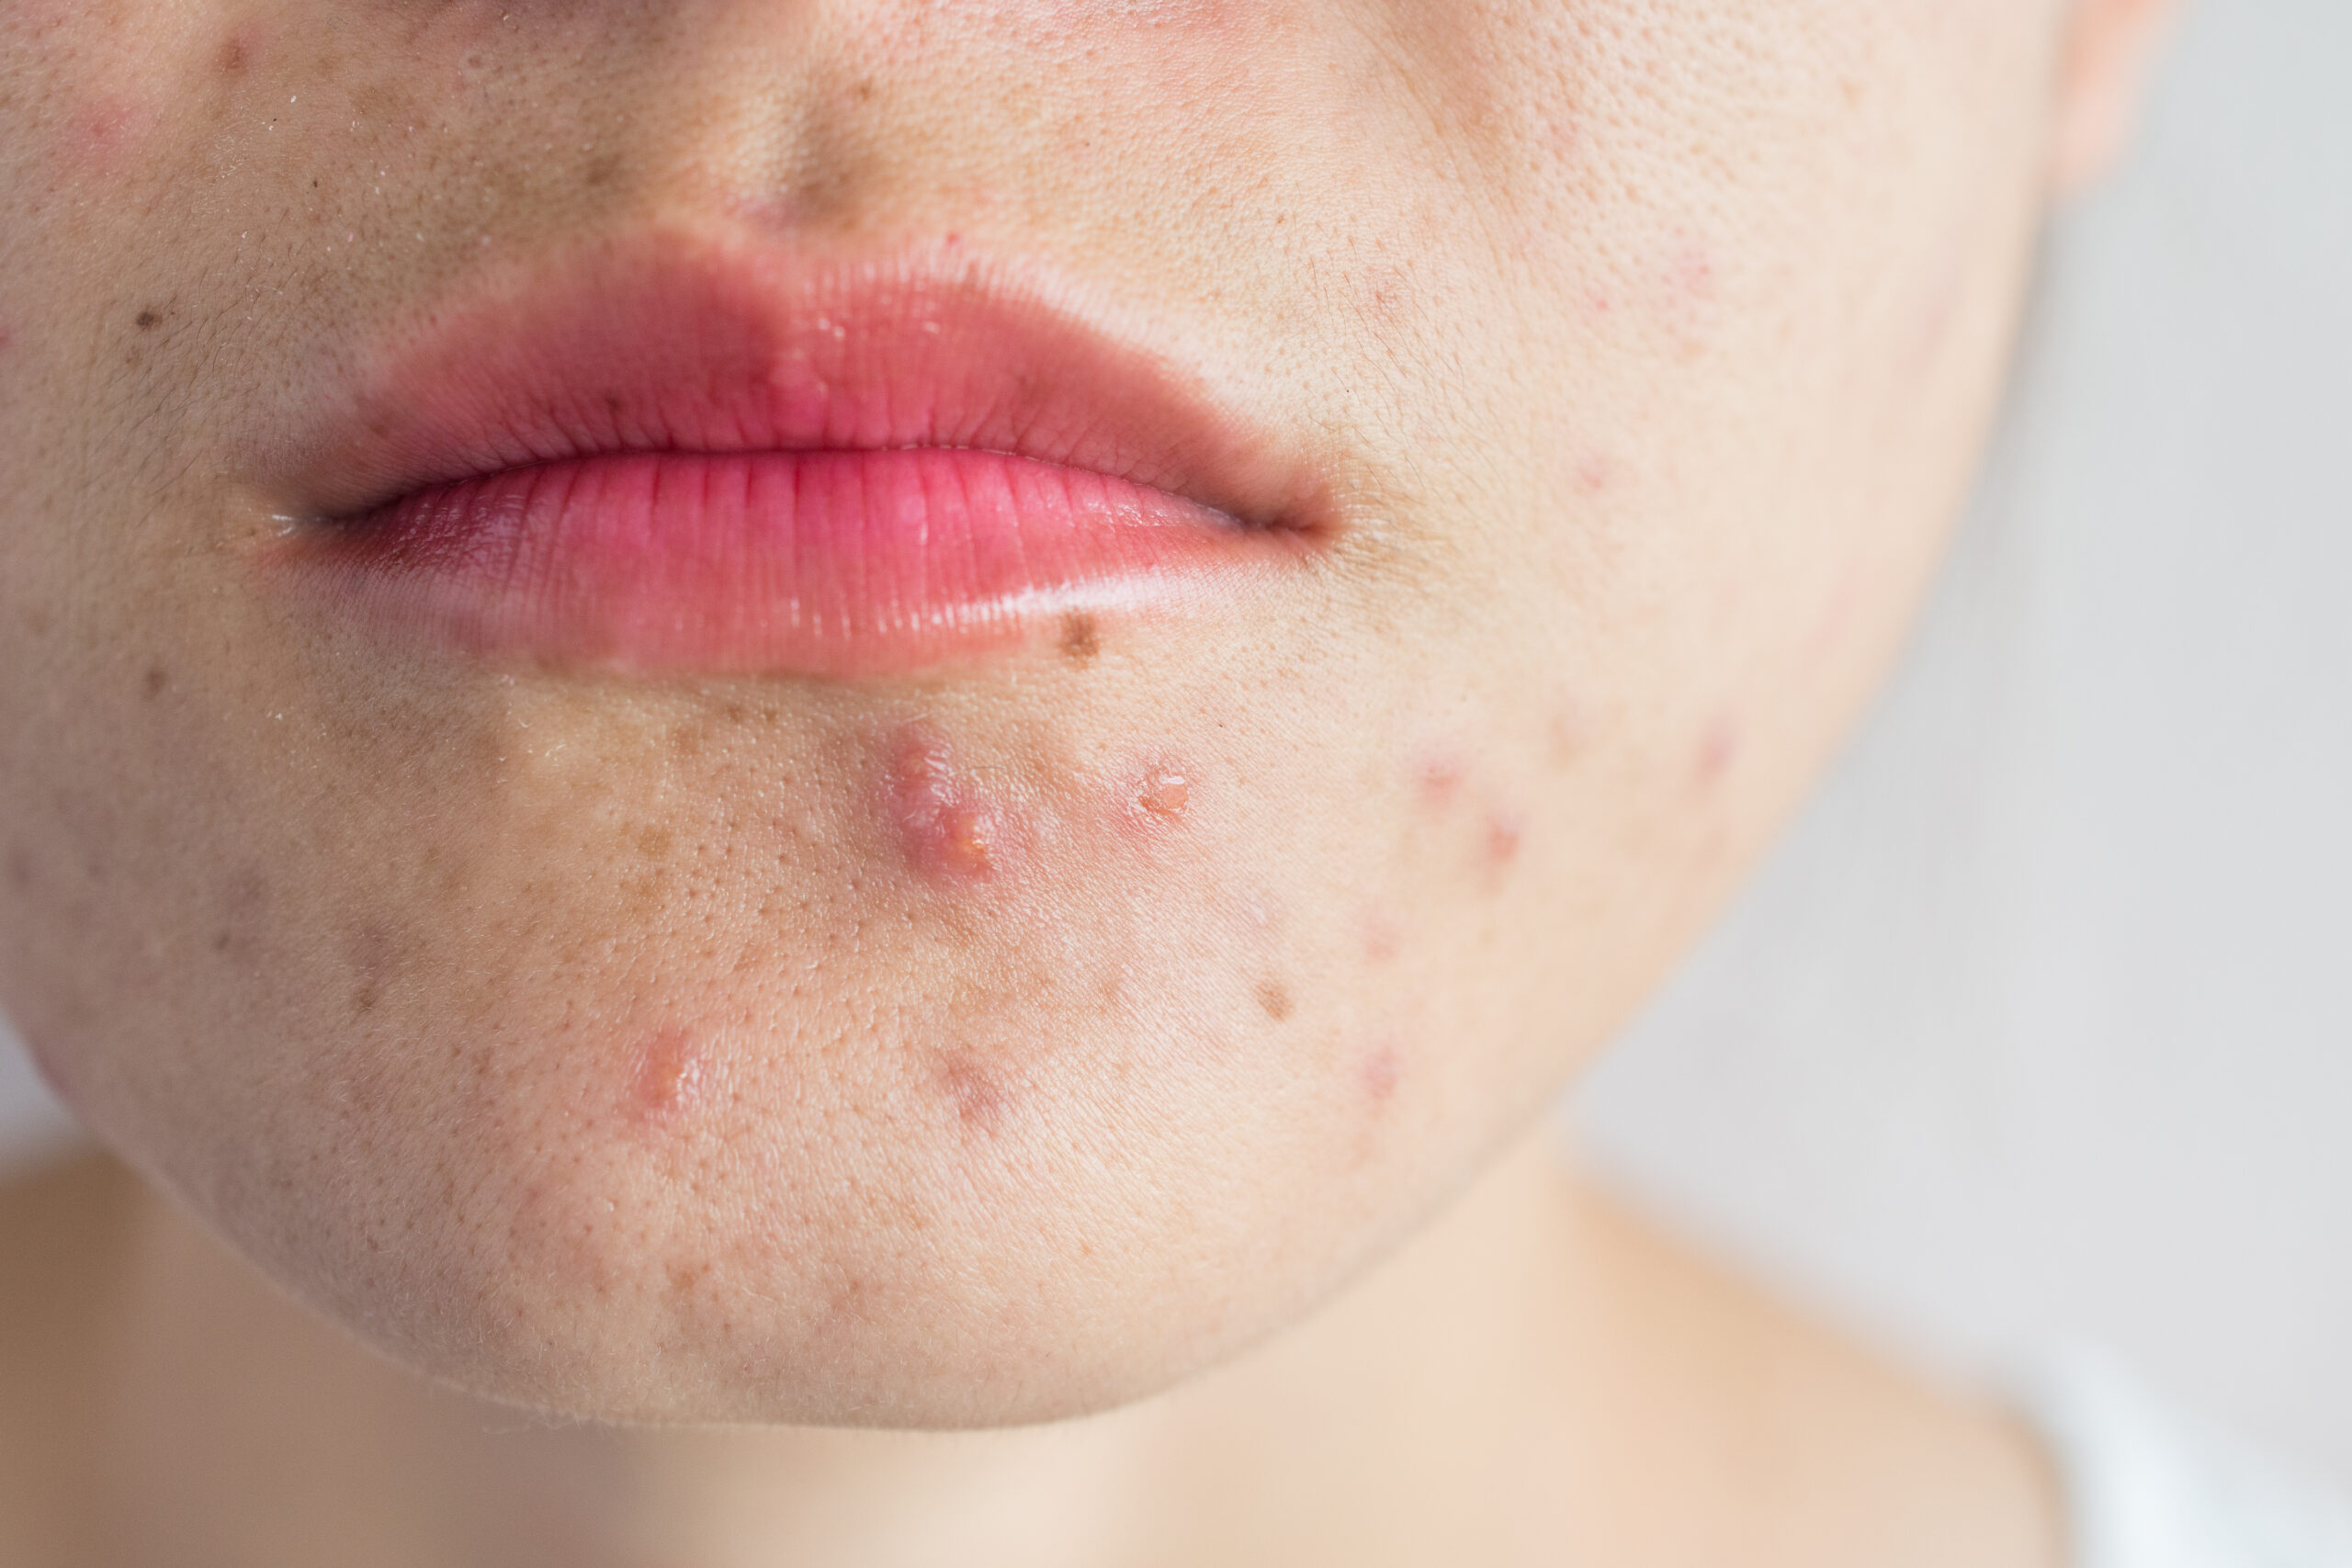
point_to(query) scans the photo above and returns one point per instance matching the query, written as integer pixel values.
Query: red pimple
(1718, 749)
(1441, 781)
(1502, 838)
(945, 827)
(666, 1078)
(1166, 795)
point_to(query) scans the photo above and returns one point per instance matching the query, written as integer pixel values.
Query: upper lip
(684, 343)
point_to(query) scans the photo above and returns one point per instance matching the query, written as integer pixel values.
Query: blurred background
(2037, 1027)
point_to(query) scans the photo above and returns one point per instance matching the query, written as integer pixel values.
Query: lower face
(978, 1030)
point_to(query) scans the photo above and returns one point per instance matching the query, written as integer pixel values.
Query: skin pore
(1059, 1034)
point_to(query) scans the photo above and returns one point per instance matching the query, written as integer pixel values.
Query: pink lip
(682, 457)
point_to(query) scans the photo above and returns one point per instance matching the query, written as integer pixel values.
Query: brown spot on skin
(1274, 998)
(602, 169)
(1378, 1072)
(1081, 638)
(665, 1080)
(979, 1095)
(1718, 750)
(146, 320)
(156, 680)
(20, 866)
(232, 59)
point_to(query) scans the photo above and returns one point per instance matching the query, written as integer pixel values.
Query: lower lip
(837, 564)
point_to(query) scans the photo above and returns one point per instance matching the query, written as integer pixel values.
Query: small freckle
(1274, 997)
(155, 682)
(1081, 638)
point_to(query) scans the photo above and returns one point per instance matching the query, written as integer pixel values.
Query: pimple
(947, 826)
(1718, 750)
(665, 1079)
(1438, 781)
(1503, 835)
(1166, 795)
(1594, 475)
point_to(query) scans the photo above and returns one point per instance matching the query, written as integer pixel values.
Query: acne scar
(666, 1080)
(1274, 998)
(946, 827)
(979, 1095)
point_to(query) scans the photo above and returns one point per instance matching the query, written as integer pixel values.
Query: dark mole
(1081, 637)
(1274, 998)
(157, 678)
(146, 320)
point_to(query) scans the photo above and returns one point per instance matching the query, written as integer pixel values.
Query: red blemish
(1718, 749)
(1379, 1072)
(666, 1080)
(979, 1095)
(1502, 838)
(1165, 795)
(1594, 475)
(105, 128)
(1441, 781)
(946, 827)
(1381, 938)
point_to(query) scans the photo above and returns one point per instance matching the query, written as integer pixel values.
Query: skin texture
(1017, 1040)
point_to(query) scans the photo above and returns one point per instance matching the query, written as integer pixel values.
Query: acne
(981, 1097)
(947, 826)
(1437, 782)
(665, 1079)
(1718, 751)
(1502, 840)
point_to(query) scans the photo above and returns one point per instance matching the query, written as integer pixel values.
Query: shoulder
(2149, 1487)
(63, 1234)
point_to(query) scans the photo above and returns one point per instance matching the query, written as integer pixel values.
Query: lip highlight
(682, 458)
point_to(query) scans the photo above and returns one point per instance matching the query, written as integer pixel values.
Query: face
(636, 977)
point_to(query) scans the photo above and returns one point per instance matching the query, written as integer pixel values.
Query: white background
(2039, 1024)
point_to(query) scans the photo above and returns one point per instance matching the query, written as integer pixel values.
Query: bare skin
(1577, 1389)
(1069, 1034)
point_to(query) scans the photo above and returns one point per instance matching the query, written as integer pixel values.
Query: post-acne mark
(1377, 1073)
(981, 1095)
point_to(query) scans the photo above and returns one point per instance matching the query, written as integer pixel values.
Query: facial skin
(614, 1045)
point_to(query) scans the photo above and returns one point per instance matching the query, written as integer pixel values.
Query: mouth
(679, 457)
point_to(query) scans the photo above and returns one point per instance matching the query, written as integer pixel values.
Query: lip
(681, 455)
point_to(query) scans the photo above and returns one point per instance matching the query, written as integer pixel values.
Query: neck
(1524, 1380)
